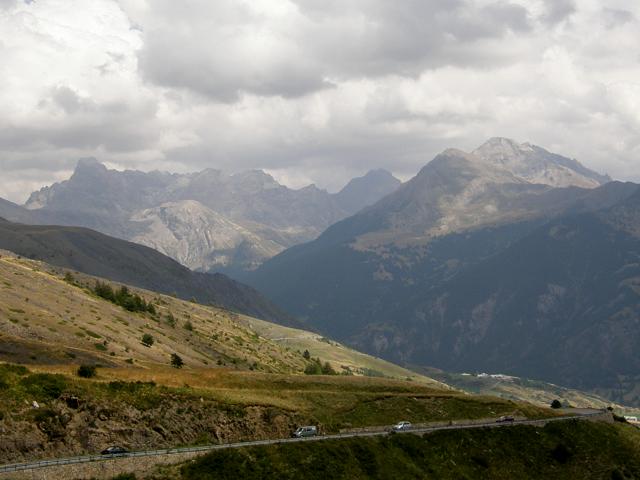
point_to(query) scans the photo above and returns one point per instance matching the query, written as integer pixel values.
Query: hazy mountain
(93, 253)
(206, 220)
(456, 267)
(363, 191)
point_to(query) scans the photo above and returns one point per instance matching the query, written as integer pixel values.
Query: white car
(309, 431)
(401, 427)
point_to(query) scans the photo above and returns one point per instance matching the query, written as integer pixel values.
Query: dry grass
(48, 320)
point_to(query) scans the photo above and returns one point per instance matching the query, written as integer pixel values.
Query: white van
(308, 431)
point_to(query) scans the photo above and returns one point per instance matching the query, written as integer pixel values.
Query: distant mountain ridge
(206, 220)
(96, 254)
(480, 262)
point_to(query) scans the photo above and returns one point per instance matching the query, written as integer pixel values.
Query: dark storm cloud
(227, 50)
(316, 91)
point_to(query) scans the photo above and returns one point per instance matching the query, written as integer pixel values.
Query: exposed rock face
(206, 220)
(200, 238)
(537, 165)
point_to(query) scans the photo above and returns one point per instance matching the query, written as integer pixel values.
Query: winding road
(16, 467)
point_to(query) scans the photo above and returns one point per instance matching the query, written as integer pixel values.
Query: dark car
(113, 450)
(505, 418)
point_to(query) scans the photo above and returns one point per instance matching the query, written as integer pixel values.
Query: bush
(124, 298)
(188, 326)
(125, 476)
(176, 361)
(317, 368)
(147, 340)
(44, 385)
(86, 371)
(556, 404)
(170, 320)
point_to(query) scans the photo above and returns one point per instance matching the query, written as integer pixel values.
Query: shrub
(176, 361)
(125, 476)
(147, 340)
(556, 404)
(124, 298)
(44, 385)
(87, 371)
(317, 368)
(170, 320)
(306, 355)
(188, 326)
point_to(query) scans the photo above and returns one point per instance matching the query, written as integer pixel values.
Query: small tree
(147, 340)
(176, 361)
(188, 326)
(556, 404)
(87, 371)
(306, 355)
(327, 369)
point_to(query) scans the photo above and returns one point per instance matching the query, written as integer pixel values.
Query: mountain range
(208, 221)
(508, 259)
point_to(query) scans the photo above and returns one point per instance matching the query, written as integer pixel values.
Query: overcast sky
(311, 90)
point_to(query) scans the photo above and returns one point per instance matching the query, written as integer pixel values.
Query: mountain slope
(78, 324)
(91, 252)
(455, 269)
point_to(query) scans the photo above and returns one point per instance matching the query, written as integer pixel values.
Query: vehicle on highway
(308, 431)
(505, 418)
(114, 450)
(401, 427)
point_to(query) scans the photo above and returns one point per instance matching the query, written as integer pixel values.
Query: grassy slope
(44, 319)
(566, 450)
(141, 402)
(536, 392)
(329, 350)
(162, 407)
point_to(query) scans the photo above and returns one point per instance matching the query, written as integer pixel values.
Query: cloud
(228, 48)
(312, 91)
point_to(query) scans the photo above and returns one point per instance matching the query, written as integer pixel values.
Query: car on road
(505, 418)
(401, 427)
(114, 450)
(308, 431)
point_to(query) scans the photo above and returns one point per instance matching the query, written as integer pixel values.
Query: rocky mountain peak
(537, 165)
(89, 166)
(366, 190)
(255, 180)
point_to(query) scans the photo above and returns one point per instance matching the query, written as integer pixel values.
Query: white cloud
(311, 91)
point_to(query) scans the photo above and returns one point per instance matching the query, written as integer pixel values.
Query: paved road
(171, 451)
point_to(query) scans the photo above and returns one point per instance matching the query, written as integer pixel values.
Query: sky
(312, 91)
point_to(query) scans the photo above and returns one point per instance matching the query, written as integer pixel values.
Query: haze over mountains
(507, 259)
(205, 220)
